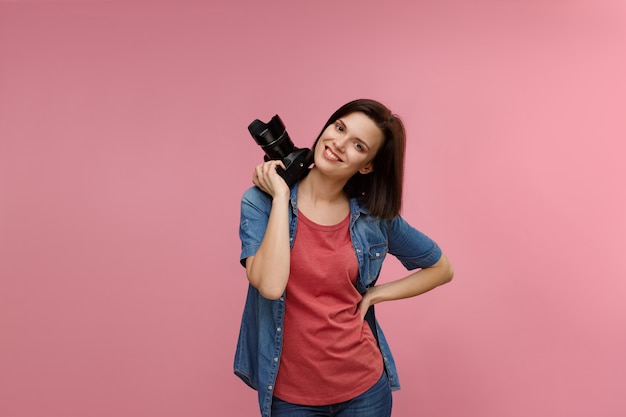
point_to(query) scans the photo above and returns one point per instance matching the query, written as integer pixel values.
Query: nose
(340, 142)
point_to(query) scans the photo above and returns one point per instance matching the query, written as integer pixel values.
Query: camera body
(273, 138)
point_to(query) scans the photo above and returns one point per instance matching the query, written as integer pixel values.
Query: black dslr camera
(275, 142)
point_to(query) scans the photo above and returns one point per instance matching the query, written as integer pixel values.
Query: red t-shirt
(329, 355)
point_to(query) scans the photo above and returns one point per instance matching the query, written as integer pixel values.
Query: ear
(367, 169)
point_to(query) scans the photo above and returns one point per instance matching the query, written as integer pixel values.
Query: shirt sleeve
(412, 248)
(255, 212)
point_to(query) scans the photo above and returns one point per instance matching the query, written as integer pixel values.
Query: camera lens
(272, 137)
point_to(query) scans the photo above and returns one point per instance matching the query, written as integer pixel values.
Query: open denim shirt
(261, 334)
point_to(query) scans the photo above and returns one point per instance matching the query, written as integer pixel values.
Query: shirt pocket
(376, 255)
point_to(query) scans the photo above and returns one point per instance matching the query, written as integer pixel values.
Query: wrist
(281, 198)
(373, 295)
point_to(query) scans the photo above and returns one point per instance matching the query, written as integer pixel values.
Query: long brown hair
(380, 191)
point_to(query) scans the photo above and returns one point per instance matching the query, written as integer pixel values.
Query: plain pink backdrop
(124, 153)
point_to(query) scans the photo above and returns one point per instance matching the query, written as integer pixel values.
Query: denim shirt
(259, 346)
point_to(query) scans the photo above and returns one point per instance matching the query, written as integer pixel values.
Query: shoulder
(399, 225)
(255, 196)
(393, 228)
(255, 203)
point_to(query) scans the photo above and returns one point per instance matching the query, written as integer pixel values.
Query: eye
(359, 146)
(339, 127)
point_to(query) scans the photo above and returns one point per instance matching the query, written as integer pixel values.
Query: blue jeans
(375, 402)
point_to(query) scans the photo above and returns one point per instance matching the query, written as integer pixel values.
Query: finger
(269, 166)
(257, 175)
(278, 164)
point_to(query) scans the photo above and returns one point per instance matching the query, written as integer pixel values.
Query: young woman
(309, 342)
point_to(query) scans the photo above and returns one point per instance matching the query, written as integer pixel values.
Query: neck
(321, 189)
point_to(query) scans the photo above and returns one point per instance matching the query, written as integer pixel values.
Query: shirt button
(275, 359)
(377, 254)
(279, 329)
(269, 387)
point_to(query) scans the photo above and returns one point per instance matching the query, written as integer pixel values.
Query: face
(348, 145)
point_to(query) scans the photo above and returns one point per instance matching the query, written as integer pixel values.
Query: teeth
(331, 155)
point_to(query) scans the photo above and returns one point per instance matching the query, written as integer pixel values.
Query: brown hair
(380, 191)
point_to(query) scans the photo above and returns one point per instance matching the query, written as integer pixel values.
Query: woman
(309, 342)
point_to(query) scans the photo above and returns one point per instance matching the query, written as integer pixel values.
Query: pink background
(124, 152)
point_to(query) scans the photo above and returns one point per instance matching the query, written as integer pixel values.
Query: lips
(328, 153)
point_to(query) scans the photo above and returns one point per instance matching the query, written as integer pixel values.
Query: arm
(268, 269)
(414, 284)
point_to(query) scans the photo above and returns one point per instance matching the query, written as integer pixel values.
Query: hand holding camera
(277, 145)
(267, 178)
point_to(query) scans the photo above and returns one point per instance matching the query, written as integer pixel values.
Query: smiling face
(348, 145)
